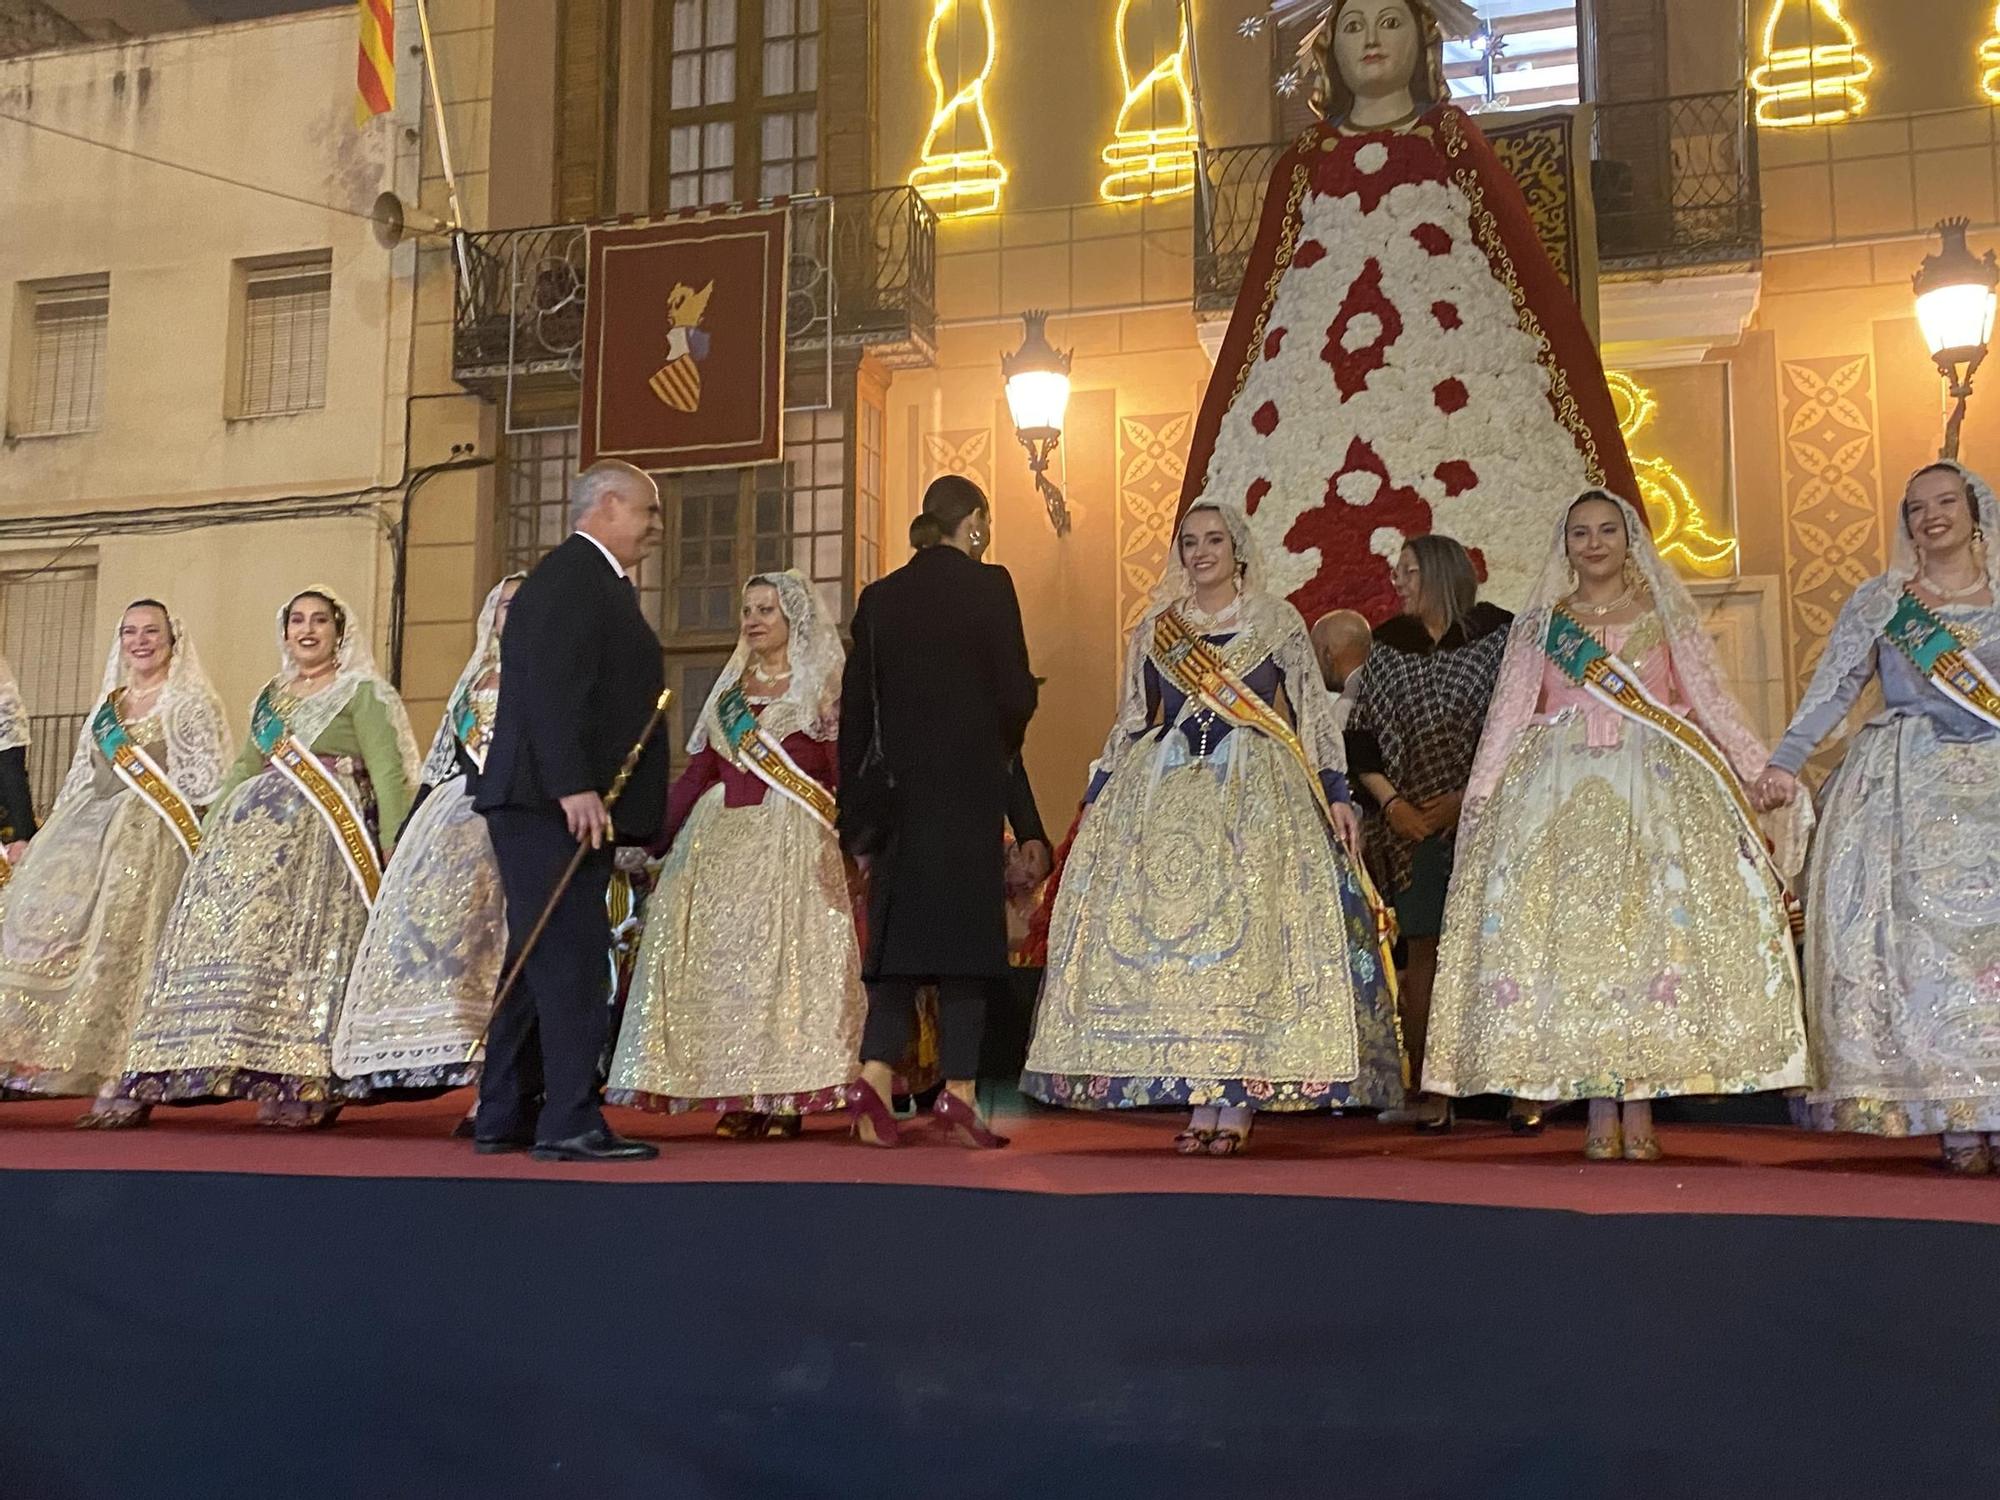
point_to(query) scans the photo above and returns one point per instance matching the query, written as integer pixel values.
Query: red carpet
(1709, 1170)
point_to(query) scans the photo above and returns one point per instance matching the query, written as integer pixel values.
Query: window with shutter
(587, 110)
(48, 634)
(286, 313)
(61, 389)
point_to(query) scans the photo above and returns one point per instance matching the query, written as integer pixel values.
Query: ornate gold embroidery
(1281, 263)
(1487, 228)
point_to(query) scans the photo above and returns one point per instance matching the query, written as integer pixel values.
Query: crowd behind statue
(1540, 856)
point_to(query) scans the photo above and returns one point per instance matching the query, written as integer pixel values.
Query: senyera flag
(375, 63)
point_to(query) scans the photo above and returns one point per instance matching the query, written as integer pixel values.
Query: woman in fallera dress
(429, 964)
(17, 805)
(1903, 902)
(1213, 944)
(246, 993)
(747, 997)
(1617, 928)
(81, 918)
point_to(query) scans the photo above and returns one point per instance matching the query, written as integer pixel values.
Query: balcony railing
(863, 271)
(1675, 182)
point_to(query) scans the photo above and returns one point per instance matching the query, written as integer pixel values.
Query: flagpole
(444, 145)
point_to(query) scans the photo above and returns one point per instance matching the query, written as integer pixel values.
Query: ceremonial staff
(575, 862)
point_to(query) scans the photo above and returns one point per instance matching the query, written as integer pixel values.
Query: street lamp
(1955, 305)
(1037, 397)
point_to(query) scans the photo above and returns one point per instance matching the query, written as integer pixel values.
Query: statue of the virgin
(1402, 358)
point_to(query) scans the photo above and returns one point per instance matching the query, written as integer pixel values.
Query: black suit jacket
(580, 673)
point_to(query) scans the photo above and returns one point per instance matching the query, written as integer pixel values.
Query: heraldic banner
(684, 342)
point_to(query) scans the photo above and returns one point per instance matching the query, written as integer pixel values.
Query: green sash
(766, 759)
(472, 732)
(143, 775)
(322, 791)
(1198, 670)
(1933, 649)
(1594, 667)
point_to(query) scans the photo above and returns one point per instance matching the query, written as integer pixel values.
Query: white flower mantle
(1524, 461)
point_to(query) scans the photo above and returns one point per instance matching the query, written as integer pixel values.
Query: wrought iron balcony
(863, 272)
(1675, 182)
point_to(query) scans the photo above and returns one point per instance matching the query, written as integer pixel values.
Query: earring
(1570, 568)
(1631, 571)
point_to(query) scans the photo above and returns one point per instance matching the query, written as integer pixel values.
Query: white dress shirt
(616, 566)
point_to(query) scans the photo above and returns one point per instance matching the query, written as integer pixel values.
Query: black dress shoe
(500, 1145)
(595, 1145)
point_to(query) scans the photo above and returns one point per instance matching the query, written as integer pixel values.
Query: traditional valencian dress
(428, 968)
(747, 994)
(1212, 943)
(247, 989)
(1617, 925)
(1903, 900)
(81, 918)
(1402, 359)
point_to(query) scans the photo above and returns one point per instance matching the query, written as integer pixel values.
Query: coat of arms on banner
(684, 342)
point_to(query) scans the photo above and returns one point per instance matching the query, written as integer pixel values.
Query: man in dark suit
(580, 674)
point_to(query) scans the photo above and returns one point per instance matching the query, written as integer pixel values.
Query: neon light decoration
(1804, 78)
(1989, 62)
(958, 174)
(1151, 154)
(1680, 529)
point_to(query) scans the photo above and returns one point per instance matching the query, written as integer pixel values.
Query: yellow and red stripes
(375, 66)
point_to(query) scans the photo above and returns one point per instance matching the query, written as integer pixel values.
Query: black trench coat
(940, 641)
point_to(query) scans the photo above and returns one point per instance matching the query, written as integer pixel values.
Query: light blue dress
(1903, 895)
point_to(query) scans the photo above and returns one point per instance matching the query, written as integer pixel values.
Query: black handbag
(868, 800)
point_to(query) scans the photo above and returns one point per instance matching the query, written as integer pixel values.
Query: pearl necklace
(769, 679)
(1599, 611)
(1942, 592)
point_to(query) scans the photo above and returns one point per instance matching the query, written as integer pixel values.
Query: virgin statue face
(310, 633)
(146, 640)
(766, 631)
(1375, 46)
(1207, 551)
(1937, 513)
(1595, 539)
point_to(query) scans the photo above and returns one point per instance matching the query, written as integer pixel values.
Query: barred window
(868, 486)
(708, 568)
(62, 387)
(286, 306)
(535, 497)
(48, 633)
(816, 492)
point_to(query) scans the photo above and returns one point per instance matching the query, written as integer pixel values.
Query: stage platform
(207, 1308)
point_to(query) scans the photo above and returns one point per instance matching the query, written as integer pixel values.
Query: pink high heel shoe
(864, 1103)
(960, 1118)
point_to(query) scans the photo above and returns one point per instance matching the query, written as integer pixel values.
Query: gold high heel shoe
(1642, 1148)
(1606, 1147)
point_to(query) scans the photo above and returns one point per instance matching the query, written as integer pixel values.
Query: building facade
(1758, 211)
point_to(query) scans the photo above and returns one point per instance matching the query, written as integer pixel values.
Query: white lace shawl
(355, 666)
(1277, 624)
(1867, 612)
(190, 713)
(811, 703)
(441, 764)
(1517, 694)
(13, 712)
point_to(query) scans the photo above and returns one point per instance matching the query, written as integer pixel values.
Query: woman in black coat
(937, 696)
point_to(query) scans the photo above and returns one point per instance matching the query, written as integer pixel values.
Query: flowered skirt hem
(439, 1078)
(1614, 1086)
(1096, 1091)
(214, 1085)
(25, 1080)
(1899, 1118)
(798, 1102)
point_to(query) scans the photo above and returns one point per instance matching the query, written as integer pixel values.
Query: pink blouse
(1605, 727)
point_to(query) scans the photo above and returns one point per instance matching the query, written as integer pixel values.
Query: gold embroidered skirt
(1610, 934)
(247, 989)
(429, 964)
(79, 925)
(1903, 936)
(1210, 946)
(748, 988)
